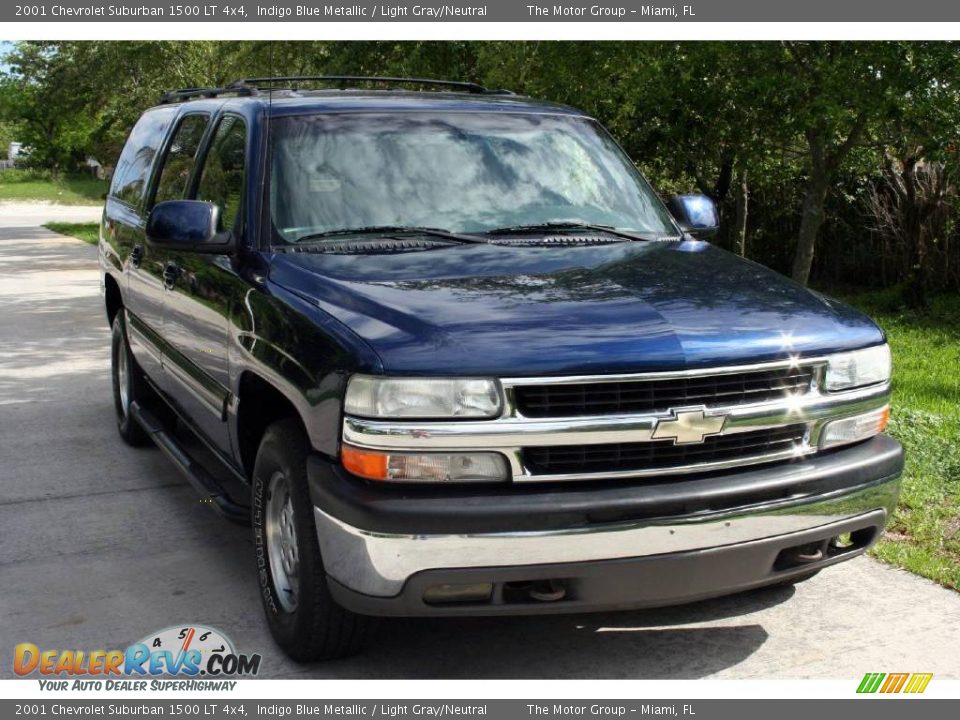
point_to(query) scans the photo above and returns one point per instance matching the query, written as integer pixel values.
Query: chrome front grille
(643, 396)
(662, 454)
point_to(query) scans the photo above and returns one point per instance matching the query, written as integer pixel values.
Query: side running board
(202, 481)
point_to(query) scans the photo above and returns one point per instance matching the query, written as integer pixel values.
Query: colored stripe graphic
(894, 683)
(870, 682)
(918, 682)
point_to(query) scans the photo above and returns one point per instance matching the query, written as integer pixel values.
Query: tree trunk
(811, 219)
(825, 158)
(740, 215)
(913, 231)
(722, 186)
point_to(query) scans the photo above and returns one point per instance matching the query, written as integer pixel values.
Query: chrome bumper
(379, 564)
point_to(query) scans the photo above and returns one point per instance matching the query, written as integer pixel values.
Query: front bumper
(614, 545)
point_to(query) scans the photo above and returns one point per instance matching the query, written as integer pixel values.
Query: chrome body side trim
(379, 564)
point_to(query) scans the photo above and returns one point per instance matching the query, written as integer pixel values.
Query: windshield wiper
(575, 225)
(393, 230)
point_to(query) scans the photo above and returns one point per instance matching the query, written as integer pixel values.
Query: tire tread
(323, 630)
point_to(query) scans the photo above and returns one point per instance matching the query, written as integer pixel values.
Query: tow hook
(803, 554)
(548, 590)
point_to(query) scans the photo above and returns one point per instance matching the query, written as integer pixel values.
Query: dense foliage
(831, 158)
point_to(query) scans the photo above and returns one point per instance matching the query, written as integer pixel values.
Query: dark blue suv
(449, 353)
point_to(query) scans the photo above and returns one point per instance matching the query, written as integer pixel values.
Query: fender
(302, 352)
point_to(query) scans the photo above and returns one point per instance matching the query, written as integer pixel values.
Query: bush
(20, 175)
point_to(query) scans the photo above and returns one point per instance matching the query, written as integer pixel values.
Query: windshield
(462, 172)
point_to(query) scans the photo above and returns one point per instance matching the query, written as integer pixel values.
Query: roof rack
(342, 80)
(252, 86)
(175, 96)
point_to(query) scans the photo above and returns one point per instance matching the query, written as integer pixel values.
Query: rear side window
(133, 167)
(222, 179)
(179, 160)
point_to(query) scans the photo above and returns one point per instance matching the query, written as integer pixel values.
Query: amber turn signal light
(432, 467)
(364, 463)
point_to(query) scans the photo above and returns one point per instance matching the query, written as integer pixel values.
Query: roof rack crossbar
(343, 79)
(175, 96)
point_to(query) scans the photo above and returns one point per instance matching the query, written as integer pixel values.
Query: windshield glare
(466, 172)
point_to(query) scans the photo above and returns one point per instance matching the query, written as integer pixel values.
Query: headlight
(385, 397)
(859, 368)
(424, 467)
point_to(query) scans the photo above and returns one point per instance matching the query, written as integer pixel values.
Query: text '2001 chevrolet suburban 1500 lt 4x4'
(465, 361)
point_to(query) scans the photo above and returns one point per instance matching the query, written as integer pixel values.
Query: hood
(514, 311)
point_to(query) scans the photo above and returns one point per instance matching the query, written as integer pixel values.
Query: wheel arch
(112, 297)
(260, 404)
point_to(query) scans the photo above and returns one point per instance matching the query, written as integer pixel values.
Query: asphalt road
(102, 543)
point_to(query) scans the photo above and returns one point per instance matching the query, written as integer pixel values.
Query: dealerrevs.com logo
(190, 652)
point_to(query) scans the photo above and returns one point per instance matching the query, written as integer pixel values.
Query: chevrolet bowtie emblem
(688, 426)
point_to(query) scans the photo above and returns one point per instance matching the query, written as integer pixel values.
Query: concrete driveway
(103, 543)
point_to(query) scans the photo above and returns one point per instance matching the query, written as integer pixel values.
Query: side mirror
(696, 214)
(189, 226)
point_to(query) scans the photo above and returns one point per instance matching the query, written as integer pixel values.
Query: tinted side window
(222, 179)
(133, 167)
(180, 157)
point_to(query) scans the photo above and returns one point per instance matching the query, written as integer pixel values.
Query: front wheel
(128, 383)
(303, 617)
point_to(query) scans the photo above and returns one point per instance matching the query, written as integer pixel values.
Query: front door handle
(136, 255)
(171, 273)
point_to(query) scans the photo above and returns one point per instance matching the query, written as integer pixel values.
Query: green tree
(37, 96)
(837, 96)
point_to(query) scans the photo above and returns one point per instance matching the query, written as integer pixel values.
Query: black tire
(316, 627)
(128, 382)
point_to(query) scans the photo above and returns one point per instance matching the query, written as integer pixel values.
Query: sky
(5, 47)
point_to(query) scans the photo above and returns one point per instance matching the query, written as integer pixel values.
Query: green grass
(40, 185)
(88, 232)
(924, 536)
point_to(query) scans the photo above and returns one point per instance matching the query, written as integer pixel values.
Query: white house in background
(14, 150)
(95, 167)
(17, 151)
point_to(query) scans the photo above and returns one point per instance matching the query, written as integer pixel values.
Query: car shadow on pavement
(638, 644)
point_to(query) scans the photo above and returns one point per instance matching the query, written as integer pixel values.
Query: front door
(198, 301)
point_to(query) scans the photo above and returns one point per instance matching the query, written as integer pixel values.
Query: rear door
(125, 221)
(198, 303)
